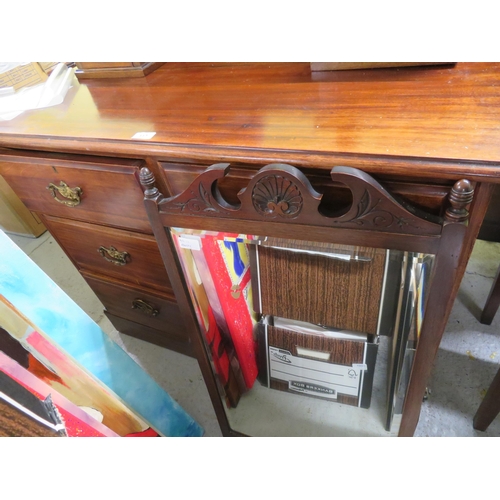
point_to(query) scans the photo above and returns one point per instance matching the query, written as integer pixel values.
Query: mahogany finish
(82, 242)
(428, 196)
(159, 319)
(416, 131)
(124, 300)
(114, 69)
(100, 180)
(445, 119)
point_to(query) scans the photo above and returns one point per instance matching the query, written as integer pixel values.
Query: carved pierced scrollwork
(375, 208)
(280, 192)
(202, 196)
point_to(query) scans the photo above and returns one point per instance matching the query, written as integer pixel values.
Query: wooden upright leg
(490, 407)
(152, 197)
(492, 302)
(455, 248)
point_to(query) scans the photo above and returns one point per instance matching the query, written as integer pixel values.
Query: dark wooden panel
(489, 407)
(492, 302)
(321, 290)
(81, 241)
(449, 267)
(110, 193)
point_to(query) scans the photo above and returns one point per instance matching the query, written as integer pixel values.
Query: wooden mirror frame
(278, 199)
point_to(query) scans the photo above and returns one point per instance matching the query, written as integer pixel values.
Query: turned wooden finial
(147, 180)
(460, 197)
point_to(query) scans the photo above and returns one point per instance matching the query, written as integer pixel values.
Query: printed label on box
(314, 389)
(313, 377)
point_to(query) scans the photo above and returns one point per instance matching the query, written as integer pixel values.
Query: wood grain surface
(103, 183)
(445, 118)
(81, 241)
(322, 290)
(118, 298)
(15, 423)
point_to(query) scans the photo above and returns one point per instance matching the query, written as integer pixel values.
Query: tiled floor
(466, 362)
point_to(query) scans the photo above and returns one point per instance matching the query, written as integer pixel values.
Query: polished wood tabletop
(449, 115)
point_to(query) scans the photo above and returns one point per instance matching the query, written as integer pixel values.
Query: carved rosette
(276, 196)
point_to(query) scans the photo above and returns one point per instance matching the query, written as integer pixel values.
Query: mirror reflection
(306, 338)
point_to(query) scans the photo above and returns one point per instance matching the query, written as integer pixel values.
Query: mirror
(306, 338)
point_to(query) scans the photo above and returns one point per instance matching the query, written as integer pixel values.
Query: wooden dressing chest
(417, 131)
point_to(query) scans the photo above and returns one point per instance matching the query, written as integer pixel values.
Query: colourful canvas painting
(68, 351)
(78, 421)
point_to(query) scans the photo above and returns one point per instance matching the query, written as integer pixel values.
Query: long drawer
(99, 190)
(129, 257)
(149, 335)
(159, 311)
(142, 313)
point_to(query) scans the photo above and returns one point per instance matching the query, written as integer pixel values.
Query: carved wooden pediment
(280, 193)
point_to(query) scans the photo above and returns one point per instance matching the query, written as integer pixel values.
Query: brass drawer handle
(111, 254)
(72, 195)
(144, 307)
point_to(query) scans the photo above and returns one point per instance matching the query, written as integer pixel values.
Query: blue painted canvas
(60, 327)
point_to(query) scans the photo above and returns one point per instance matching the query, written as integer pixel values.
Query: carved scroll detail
(369, 213)
(375, 208)
(280, 192)
(202, 196)
(199, 202)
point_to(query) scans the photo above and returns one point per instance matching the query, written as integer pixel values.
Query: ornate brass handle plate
(72, 195)
(111, 254)
(145, 307)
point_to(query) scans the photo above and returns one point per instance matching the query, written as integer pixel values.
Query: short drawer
(103, 191)
(333, 285)
(124, 255)
(144, 306)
